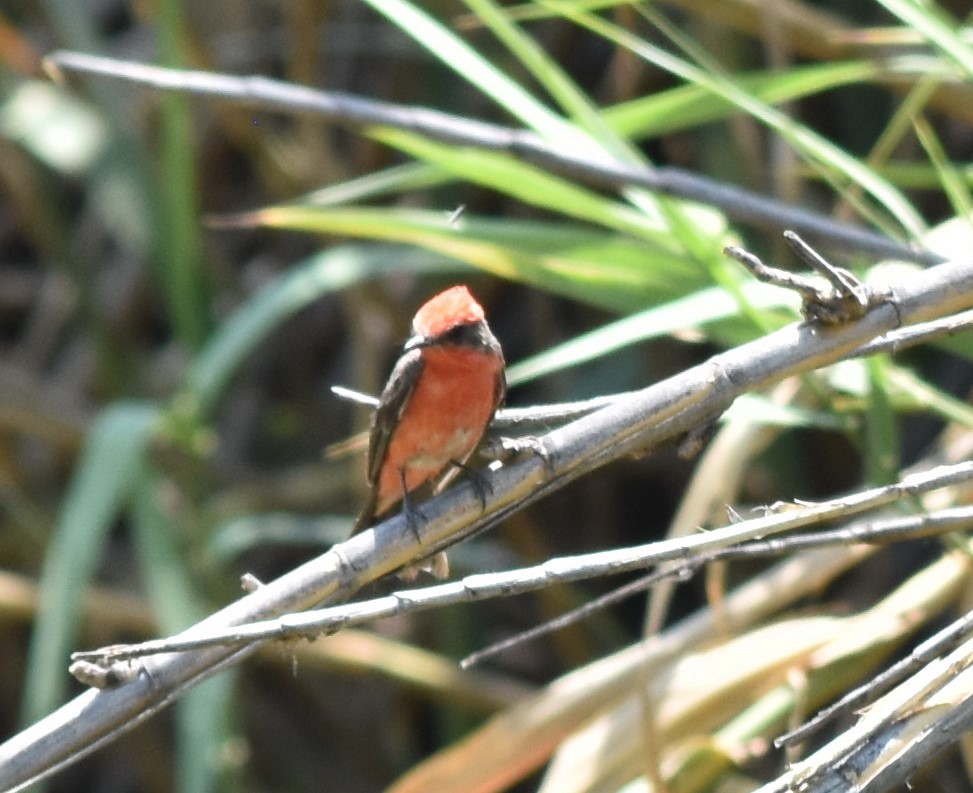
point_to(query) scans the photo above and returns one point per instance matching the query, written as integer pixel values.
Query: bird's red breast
(443, 421)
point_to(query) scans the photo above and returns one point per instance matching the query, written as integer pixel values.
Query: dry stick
(932, 648)
(870, 532)
(895, 736)
(924, 332)
(485, 586)
(522, 737)
(271, 95)
(496, 447)
(646, 418)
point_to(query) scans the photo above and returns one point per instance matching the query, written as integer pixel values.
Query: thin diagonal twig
(935, 646)
(679, 556)
(871, 532)
(906, 726)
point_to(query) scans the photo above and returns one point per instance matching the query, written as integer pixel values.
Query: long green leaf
(937, 27)
(455, 53)
(407, 178)
(693, 311)
(546, 71)
(180, 254)
(688, 106)
(109, 467)
(531, 185)
(589, 265)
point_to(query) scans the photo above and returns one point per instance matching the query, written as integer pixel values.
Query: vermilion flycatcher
(437, 402)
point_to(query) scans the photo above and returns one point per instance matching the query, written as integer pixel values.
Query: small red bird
(437, 402)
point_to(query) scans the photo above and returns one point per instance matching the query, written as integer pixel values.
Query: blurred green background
(164, 379)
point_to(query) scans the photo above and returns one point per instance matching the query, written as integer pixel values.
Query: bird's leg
(411, 513)
(479, 482)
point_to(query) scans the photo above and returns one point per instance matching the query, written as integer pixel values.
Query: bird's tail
(367, 515)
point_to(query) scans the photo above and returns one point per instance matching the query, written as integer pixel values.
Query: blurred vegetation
(164, 383)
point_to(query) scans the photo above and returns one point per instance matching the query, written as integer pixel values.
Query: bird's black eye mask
(471, 335)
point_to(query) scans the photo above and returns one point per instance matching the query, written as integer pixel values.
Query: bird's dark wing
(385, 419)
(500, 392)
(394, 398)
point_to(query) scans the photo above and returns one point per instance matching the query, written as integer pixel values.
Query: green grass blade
(758, 409)
(549, 74)
(881, 450)
(692, 311)
(181, 256)
(911, 392)
(679, 223)
(408, 178)
(531, 185)
(949, 177)
(937, 27)
(108, 469)
(455, 53)
(589, 265)
(688, 106)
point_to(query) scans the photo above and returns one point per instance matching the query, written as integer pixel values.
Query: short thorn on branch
(846, 298)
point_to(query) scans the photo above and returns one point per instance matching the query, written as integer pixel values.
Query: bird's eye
(461, 334)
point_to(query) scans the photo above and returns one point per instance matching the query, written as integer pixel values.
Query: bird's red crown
(445, 311)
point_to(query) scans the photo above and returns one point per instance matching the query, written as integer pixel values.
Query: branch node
(106, 674)
(845, 299)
